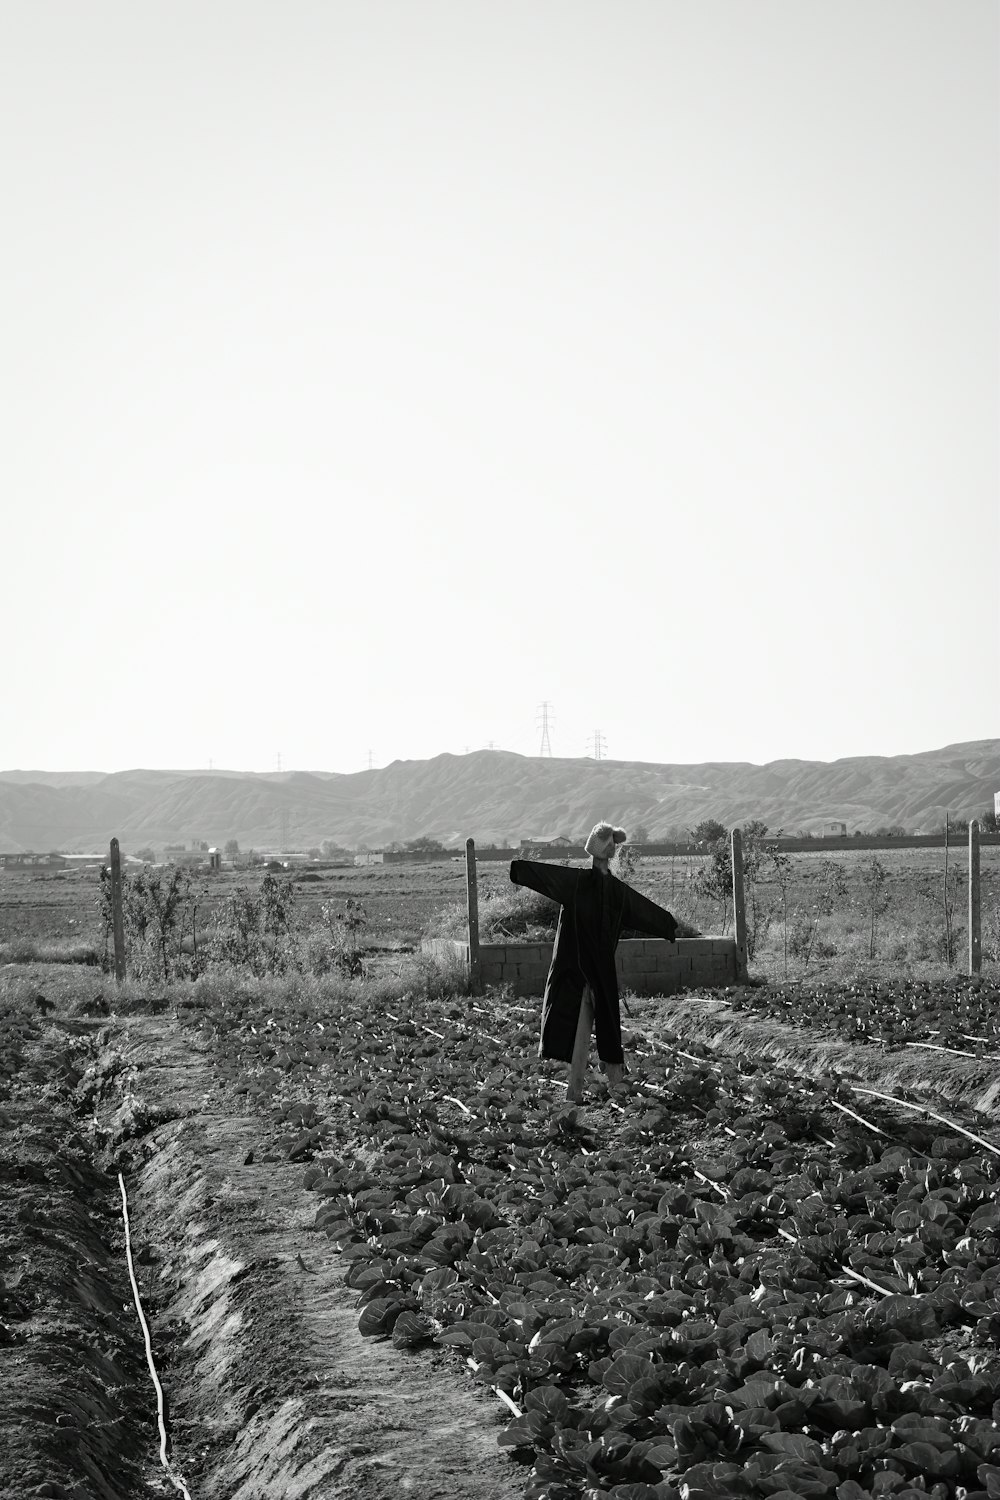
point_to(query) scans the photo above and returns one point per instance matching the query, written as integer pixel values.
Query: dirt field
(399, 901)
(402, 902)
(266, 1136)
(271, 1389)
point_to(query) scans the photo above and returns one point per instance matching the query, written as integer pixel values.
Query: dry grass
(42, 951)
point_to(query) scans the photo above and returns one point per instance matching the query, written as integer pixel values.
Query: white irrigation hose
(951, 1051)
(792, 1239)
(177, 1483)
(921, 1109)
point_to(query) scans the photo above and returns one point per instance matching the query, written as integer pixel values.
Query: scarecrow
(581, 991)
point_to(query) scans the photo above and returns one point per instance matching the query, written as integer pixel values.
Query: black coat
(595, 907)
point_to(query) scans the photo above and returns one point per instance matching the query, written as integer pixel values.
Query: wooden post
(949, 955)
(975, 937)
(472, 893)
(116, 910)
(739, 911)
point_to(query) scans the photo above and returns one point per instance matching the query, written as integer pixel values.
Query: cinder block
(641, 963)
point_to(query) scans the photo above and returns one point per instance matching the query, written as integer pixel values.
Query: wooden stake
(975, 938)
(739, 910)
(947, 908)
(581, 1046)
(472, 894)
(117, 920)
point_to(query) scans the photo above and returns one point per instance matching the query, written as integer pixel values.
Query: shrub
(157, 907)
(343, 930)
(255, 932)
(511, 912)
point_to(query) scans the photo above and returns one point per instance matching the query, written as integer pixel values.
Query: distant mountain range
(493, 796)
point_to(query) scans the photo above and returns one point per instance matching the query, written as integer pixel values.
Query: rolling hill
(494, 796)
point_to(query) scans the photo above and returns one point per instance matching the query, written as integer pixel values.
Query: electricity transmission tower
(600, 745)
(370, 762)
(546, 715)
(279, 761)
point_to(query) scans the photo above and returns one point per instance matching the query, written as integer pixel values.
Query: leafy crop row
(720, 1287)
(886, 1012)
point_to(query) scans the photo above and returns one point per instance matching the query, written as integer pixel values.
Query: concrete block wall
(647, 966)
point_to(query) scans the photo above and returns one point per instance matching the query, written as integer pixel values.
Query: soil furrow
(77, 1412)
(273, 1391)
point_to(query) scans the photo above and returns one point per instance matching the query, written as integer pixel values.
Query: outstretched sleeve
(644, 915)
(554, 881)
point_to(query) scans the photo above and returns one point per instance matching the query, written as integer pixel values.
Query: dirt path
(273, 1391)
(76, 1417)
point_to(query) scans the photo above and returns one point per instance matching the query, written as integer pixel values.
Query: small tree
(232, 848)
(877, 898)
(709, 831)
(155, 906)
(345, 929)
(640, 835)
(626, 862)
(782, 866)
(714, 880)
(755, 855)
(254, 931)
(831, 893)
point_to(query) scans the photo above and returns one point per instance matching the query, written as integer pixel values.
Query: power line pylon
(600, 745)
(546, 714)
(370, 764)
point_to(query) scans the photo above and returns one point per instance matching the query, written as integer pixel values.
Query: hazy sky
(372, 372)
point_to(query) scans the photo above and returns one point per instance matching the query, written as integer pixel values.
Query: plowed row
(718, 1282)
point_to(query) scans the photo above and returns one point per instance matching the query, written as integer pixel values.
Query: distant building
(195, 859)
(23, 860)
(369, 858)
(834, 830)
(996, 804)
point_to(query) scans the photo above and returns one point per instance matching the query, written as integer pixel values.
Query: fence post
(975, 937)
(739, 911)
(472, 893)
(116, 910)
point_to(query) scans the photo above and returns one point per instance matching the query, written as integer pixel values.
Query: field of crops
(819, 923)
(381, 1255)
